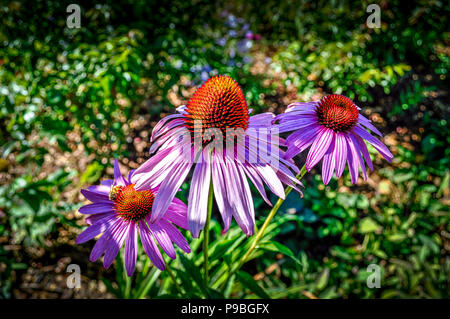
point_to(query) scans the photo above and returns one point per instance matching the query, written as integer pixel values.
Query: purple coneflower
(119, 211)
(335, 131)
(218, 105)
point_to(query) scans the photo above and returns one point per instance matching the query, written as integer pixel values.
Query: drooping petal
(352, 159)
(177, 217)
(363, 148)
(319, 147)
(220, 193)
(102, 243)
(95, 230)
(168, 189)
(257, 182)
(150, 247)
(160, 128)
(355, 150)
(300, 140)
(156, 169)
(379, 146)
(340, 152)
(235, 189)
(162, 238)
(328, 163)
(248, 215)
(115, 244)
(175, 235)
(367, 123)
(270, 178)
(170, 139)
(131, 248)
(198, 197)
(287, 180)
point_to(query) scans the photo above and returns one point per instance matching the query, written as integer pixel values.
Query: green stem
(206, 234)
(127, 287)
(169, 271)
(127, 290)
(148, 283)
(263, 228)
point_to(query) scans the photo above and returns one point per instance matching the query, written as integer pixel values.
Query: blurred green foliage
(129, 57)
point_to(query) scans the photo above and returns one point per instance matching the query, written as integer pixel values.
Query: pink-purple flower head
(194, 137)
(336, 133)
(120, 212)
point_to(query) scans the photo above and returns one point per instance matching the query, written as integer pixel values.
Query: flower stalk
(263, 228)
(206, 234)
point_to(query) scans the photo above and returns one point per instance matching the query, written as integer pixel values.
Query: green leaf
(91, 174)
(279, 248)
(247, 281)
(367, 225)
(322, 280)
(397, 237)
(194, 272)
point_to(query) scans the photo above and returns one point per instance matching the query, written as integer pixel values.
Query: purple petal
(130, 174)
(319, 147)
(379, 146)
(156, 169)
(328, 163)
(101, 244)
(296, 124)
(287, 180)
(163, 239)
(245, 218)
(101, 189)
(95, 197)
(301, 106)
(355, 150)
(93, 219)
(270, 178)
(160, 126)
(340, 152)
(149, 166)
(220, 193)
(168, 189)
(300, 140)
(352, 159)
(119, 180)
(107, 182)
(150, 247)
(238, 200)
(256, 180)
(115, 243)
(176, 216)
(97, 208)
(261, 120)
(198, 197)
(96, 229)
(131, 247)
(175, 235)
(367, 123)
(362, 146)
(170, 138)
